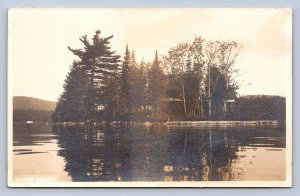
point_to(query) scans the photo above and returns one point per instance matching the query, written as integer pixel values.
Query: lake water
(147, 153)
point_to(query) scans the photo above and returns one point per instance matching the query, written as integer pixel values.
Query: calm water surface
(147, 153)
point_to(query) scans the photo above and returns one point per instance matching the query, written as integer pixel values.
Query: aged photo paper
(149, 97)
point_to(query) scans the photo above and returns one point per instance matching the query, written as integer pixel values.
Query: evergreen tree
(134, 76)
(156, 87)
(138, 88)
(143, 88)
(112, 100)
(100, 64)
(125, 96)
(72, 105)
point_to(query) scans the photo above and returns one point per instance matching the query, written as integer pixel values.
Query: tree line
(259, 107)
(193, 81)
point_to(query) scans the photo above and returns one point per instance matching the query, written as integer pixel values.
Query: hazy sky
(38, 38)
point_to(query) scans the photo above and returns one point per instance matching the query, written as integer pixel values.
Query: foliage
(194, 81)
(90, 76)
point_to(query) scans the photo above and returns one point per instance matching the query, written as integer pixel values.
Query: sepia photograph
(149, 97)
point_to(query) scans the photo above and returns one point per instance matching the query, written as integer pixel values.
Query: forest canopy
(193, 81)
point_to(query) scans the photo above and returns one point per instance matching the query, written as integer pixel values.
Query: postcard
(149, 97)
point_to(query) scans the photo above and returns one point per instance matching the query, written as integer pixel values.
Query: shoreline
(256, 123)
(221, 123)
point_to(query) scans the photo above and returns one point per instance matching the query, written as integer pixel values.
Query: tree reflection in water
(159, 153)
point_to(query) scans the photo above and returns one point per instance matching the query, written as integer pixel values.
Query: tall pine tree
(86, 84)
(100, 64)
(125, 94)
(156, 87)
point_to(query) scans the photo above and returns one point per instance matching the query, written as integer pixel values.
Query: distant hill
(262, 97)
(259, 107)
(30, 103)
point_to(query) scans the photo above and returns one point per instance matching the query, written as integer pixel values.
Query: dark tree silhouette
(97, 65)
(156, 87)
(100, 64)
(72, 105)
(125, 96)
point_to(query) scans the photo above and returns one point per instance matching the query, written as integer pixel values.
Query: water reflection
(161, 153)
(147, 153)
